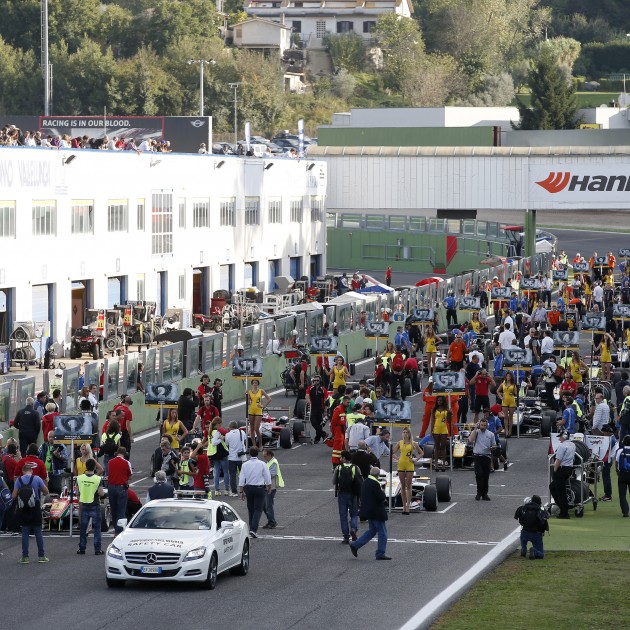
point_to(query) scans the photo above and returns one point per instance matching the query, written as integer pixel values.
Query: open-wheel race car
(463, 451)
(278, 432)
(425, 494)
(56, 512)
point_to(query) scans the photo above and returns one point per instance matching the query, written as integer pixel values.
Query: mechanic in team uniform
(562, 469)
(316, 396)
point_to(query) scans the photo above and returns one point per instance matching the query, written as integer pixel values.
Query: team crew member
(174, 429)
(254, 481)
(338, 429)
(204, 389)
(562, 469)
(117, 482)
(126, 438)
(55, 459)
(255, 411)
(483, 442)
(206, 414)
(110, 441)
(316, 397)
(482, 381)
(276, 482)
(347, 481)
(30, 518)
(90, 491)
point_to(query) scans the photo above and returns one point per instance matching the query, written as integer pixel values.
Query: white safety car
(180, 539)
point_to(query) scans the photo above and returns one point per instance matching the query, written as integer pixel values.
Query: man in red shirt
(9, 462)
(38, 466)
(482, 381)
(133, 504)
(118, 475)
(201, 479)
(207, 412)
(48, 420)
(126, 438)
(568, 387)
(411, 365)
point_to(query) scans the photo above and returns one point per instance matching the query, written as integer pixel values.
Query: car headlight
(114, 552)
(195, 554)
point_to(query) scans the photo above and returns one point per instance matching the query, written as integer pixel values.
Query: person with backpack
(397, 374)
(27, 494)
(110, 441)
(534, 522)
(55, 458)
(90, 493)
(623, 474)
(347, 481)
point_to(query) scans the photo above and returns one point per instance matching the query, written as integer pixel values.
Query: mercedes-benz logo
(151, 558)
(197, 123)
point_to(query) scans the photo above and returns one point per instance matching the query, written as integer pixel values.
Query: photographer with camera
(484, 443)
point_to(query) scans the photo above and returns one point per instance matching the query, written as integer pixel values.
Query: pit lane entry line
(429, 611)
(411, 541)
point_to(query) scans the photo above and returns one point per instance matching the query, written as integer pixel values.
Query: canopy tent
(307, 307)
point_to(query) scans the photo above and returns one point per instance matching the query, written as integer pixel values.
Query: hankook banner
(580, 183)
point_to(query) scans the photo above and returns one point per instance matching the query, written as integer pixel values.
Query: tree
(564, 50)
(432, 82)
(343, 84)
(553, 99)
(495, 90)
(20, 80)
(401, 41)
(347, 50)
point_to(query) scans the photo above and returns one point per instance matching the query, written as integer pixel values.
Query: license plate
(151, 570)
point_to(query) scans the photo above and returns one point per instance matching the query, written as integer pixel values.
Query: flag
(301, 137)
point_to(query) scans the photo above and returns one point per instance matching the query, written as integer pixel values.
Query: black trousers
(462, 412)
(558, 488)
(551, 401)
(623, 485)
(317, 420)
(451, 317)
(125, 441)
(483, 464)
(396, 380)
(255, 496)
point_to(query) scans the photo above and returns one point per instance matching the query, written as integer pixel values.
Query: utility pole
(46, 66)
(235, 86)
(202, 63)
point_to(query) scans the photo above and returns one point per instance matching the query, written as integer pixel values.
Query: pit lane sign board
(517, 358)
(324, 345)
(624, 252)
(163, 395)
(600, 261)
(530, 284)
(566, 340)
(393, 411)
(247, 368)
(377, 330)
(500, 294)
(594, 321)
(422, 316)
(580, 267)
(469, 303)
(558, 275)
(449, 383)
(73, 429)
(621, 312)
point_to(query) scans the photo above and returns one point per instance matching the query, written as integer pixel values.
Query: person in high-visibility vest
(187, 470)
(276, 482)
(90, 493)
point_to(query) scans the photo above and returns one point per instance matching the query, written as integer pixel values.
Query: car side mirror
(122, 522)
(227, 525)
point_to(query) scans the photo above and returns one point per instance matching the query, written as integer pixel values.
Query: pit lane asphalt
(300, 575)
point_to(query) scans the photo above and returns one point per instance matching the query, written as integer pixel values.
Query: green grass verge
(585, 99)
(565, 590)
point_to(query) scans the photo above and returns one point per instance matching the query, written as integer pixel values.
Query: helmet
(238, 346)
(283, 420)
(294, 333)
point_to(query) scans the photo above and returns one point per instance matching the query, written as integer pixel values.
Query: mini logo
(151, 558)
(197, 123)
(555, 182)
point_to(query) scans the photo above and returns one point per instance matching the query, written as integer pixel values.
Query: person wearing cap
(562, 469)
(126, 437)
(373, 510)
(316, 397)
(160, 489)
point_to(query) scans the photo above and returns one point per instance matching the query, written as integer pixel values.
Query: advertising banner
(580, 183)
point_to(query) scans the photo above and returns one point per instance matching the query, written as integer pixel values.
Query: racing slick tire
(583, 451)
(243, 567)
(429, 499)
(298, 430)
(428, 451)
(443, 488)
(300, 409)
(406, 388)
(95, 351)
(545, 425)
(242, 423)
(285, 438)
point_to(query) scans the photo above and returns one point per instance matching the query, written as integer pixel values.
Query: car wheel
(545, 426)
(110, 343)
(114, 583)
(74, 352)
(428, 451)
(298, 430)
(300, 408)
(443, 488)
(242, 423)
(243, 567)
(429, 499)
(95, 351)
(406, 387)
(210, 583)
(106, 517)
(218, 328)
(285, 437)
(504, 447)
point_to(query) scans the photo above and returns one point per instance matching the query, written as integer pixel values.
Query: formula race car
(424, 494)
(56, 512)
(278, 433)
(463, 451)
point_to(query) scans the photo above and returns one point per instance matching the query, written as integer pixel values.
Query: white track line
(411, 541)
(428, 612)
